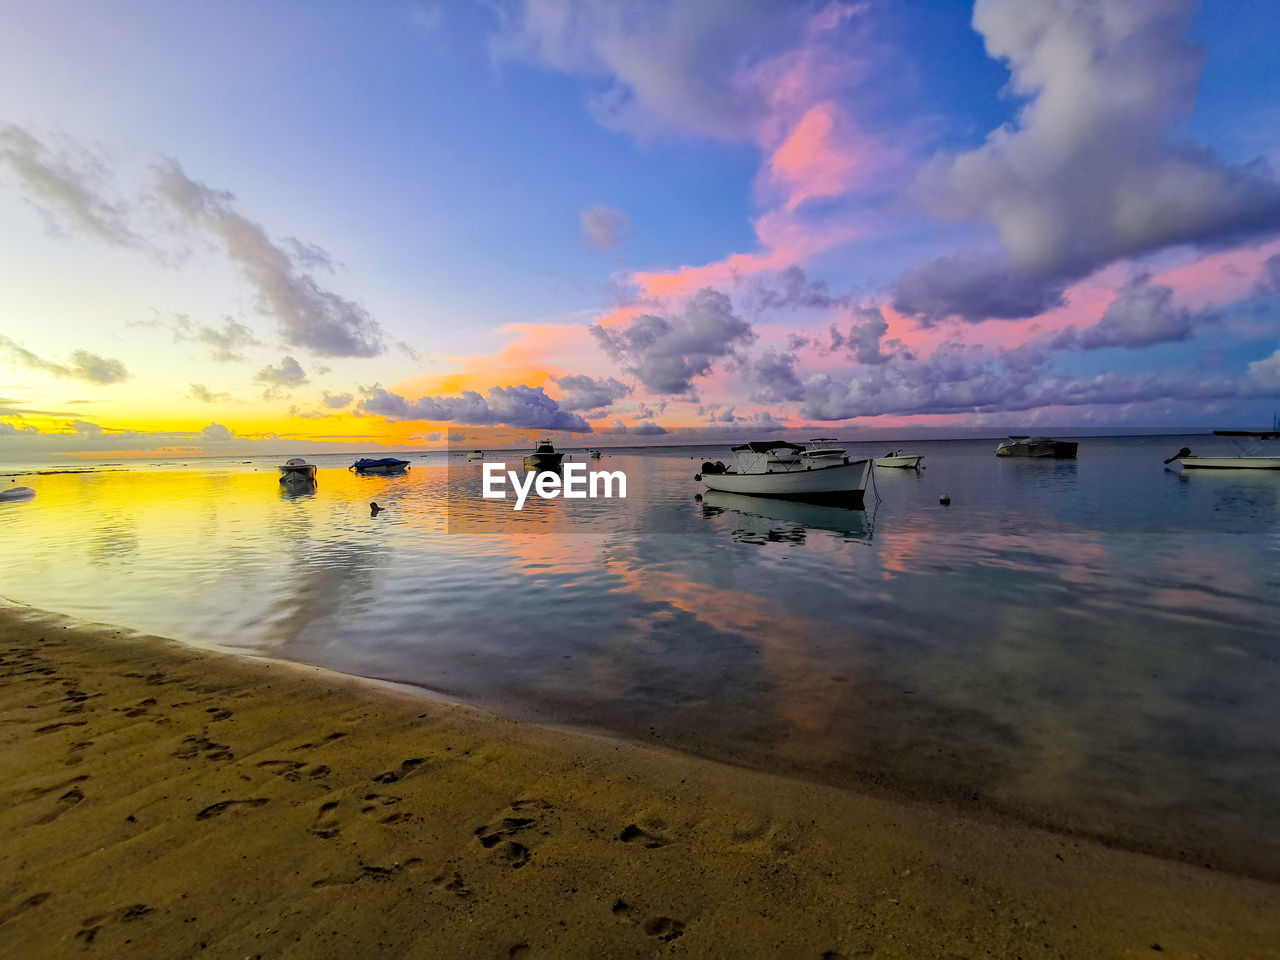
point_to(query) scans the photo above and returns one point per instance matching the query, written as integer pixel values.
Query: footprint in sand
(193, 747)
(284, 768)
(65, 803)
(406, 768)
(89, 928)
(326, 827)
(634, 834)
(51, 727)
(368, 872)
(138, 710)
(216, 714)
(222, 806)
(664, 928)
(453, 883)
(28, 904)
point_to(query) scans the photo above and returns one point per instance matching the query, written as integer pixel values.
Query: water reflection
(764, 520)
(1090, 645)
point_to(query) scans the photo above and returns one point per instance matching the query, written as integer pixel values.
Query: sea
(1088, 645)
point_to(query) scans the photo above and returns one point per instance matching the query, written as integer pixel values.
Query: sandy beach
(163, 801)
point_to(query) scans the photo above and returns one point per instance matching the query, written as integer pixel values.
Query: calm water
(1092, 645)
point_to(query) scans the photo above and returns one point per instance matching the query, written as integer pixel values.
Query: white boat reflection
(762, 519)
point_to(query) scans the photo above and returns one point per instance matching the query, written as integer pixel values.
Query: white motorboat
(820, 451)
(544, 457)
(1040, 448)
(777, 469)
(297, 470)
(898, 460)
(475, 455)
(1247, 459)
(593, 454)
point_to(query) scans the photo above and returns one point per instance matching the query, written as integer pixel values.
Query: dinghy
(384, 466)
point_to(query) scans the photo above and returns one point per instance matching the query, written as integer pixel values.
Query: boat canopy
(384, 462)
(766, 446)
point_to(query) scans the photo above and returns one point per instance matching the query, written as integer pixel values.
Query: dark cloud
(971, 379)
(582, 392)
(225, 342)
(286, 374)
(517, 406)
(974, 288)
(216, 432)
(1093, 169)
(81, 365)
(603, 227)
(864, 337)
(68, 186)
(655, 68)
(668, 354)
(202, 393)
(336, 401)
(310, 317)
(648, 428)
(1141, 314)
(795, 289)
(774, 380)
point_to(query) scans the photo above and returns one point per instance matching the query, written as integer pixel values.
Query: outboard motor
(1184, 452)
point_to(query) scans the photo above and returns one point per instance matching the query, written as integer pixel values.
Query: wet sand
(162, 801)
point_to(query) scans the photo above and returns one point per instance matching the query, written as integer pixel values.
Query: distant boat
(897, 460)
(297, 470)
(475, 455)
(384, 466)
(778, 469)
(15, 494)
(1246, 460)
(544, 457)
(593, 454)
(820, 451)
(1040, 448)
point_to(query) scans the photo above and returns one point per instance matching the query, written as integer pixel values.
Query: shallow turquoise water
(1091, 645)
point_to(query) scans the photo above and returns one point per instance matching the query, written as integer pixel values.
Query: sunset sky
(229, 227)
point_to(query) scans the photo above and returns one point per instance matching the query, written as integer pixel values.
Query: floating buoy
(944, 500)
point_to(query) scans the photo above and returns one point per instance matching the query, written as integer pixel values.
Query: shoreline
(173, 801)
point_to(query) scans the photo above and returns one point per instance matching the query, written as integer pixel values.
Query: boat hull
(382, 471)
(305, 474)
(543, 461)
(842, 481)
(1230, 463)
(902, 463)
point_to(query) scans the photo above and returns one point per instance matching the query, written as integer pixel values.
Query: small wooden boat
(384, 466)
(897, 460)
(777, 469)
(1247, 459)
(544, 457)
(297, 470)
(1040, 448)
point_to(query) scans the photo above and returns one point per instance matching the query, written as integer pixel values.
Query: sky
(234, 227)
